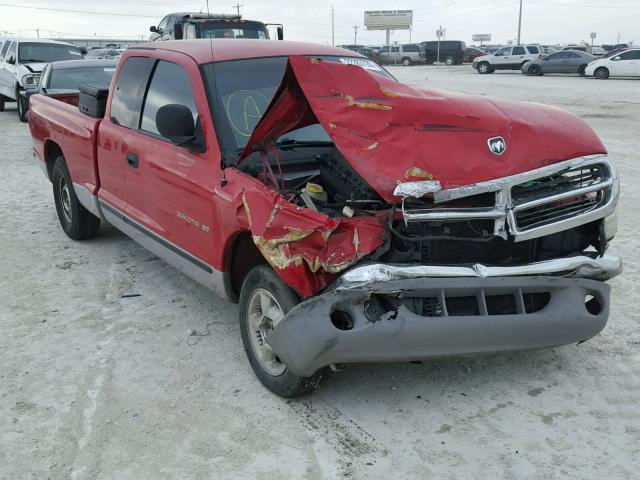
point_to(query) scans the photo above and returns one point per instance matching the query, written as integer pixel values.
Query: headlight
(30, 81)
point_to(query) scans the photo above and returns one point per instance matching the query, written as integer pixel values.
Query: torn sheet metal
(305, 247)
(389, 131)
(417, 189)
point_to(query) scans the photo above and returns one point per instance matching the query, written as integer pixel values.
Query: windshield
(240, 97)
(224, 29)
(47, 52)
(71, 78)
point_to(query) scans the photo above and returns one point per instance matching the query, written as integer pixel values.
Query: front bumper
(379, 316)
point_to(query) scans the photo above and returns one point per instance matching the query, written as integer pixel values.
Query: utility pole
(333, 26)
(410, 30)
(355, 34)
(38, 32)
(237, 7)
(519, 22)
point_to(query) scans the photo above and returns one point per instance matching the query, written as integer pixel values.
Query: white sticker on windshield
(109, 69)
(362, 62)
(74, 52)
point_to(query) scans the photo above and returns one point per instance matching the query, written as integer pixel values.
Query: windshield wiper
(288, 143)
(35, 60)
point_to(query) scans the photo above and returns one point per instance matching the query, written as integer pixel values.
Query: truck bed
(55, 122)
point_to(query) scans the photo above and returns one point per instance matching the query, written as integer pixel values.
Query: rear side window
(129, 90)
(170, 85)
(518, 51)
(410, 48)
(533, 50)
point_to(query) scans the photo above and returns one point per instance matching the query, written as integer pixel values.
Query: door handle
(132, 160)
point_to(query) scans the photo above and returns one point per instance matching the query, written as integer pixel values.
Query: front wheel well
(51, 151)
(242, 258)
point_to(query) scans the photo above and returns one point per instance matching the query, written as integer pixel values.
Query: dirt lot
(98, 383)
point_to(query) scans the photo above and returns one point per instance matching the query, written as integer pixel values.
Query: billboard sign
(388, 19)
(481, 37)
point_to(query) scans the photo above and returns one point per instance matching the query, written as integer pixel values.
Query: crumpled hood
(33, 67)
(392, 133)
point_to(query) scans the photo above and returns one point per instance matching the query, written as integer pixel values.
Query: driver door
(502, 58)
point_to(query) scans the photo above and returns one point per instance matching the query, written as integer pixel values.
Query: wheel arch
(242, 255)
(51, 152)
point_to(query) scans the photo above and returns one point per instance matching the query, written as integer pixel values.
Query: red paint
(442, 133)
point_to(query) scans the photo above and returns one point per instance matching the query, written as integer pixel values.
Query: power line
(86, 12)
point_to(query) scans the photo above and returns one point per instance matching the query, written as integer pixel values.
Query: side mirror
(83, 50)
(616, 58)
(11, 60)
(153, 29)
(280, 33)
(175, 123)
(178, 33)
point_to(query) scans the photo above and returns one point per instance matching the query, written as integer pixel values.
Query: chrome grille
(536, 203)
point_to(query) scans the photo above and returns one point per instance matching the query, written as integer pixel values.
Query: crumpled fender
(392, 133)
(307, 248)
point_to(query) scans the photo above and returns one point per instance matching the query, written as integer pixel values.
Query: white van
(22, 61)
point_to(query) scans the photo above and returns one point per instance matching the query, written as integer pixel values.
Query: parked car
(566, 61)
(622, 64)
(416, 224)
(472, 53)
(451, 52)
(405, 54)
(595, 51)
(62, 80)
(21, 64)
(103, 53)
(507, 58)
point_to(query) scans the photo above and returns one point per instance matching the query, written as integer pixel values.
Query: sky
(543, 21)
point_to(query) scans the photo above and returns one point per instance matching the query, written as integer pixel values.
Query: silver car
(566, 61)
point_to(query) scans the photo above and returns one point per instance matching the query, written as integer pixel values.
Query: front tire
(484, 68)
(450, 60)
(1, 103)
(264, 301)
(406, 61)
(76, 221)
(23, 107)
(534, 70)
(601, 73)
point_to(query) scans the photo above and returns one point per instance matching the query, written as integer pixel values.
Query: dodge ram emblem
(497, 145)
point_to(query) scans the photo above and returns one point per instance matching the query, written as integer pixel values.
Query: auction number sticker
(362, 63)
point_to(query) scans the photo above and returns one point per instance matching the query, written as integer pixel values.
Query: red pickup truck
(354, 218)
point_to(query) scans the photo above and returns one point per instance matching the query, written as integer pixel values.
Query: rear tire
(23, 107)
(76, 221)
(601, 73)
(581, 70)
(264, 301)
(449, 60)
(1, 103)
(484, 68)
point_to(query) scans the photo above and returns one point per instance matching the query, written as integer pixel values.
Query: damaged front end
(410, 235)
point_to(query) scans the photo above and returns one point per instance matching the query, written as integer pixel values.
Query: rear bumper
(386, 320)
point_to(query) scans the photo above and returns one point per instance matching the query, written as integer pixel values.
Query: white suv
(21, 61)
(507, 58)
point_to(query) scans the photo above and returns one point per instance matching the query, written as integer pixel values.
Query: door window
(3, 52)
(129, 90)
(631, 55)
(503, 52)
(11, 53)
(163, 23)
(395, 49)
(170, 85)
(518, 51)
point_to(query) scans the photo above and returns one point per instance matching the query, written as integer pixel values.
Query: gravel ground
(98, 384)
